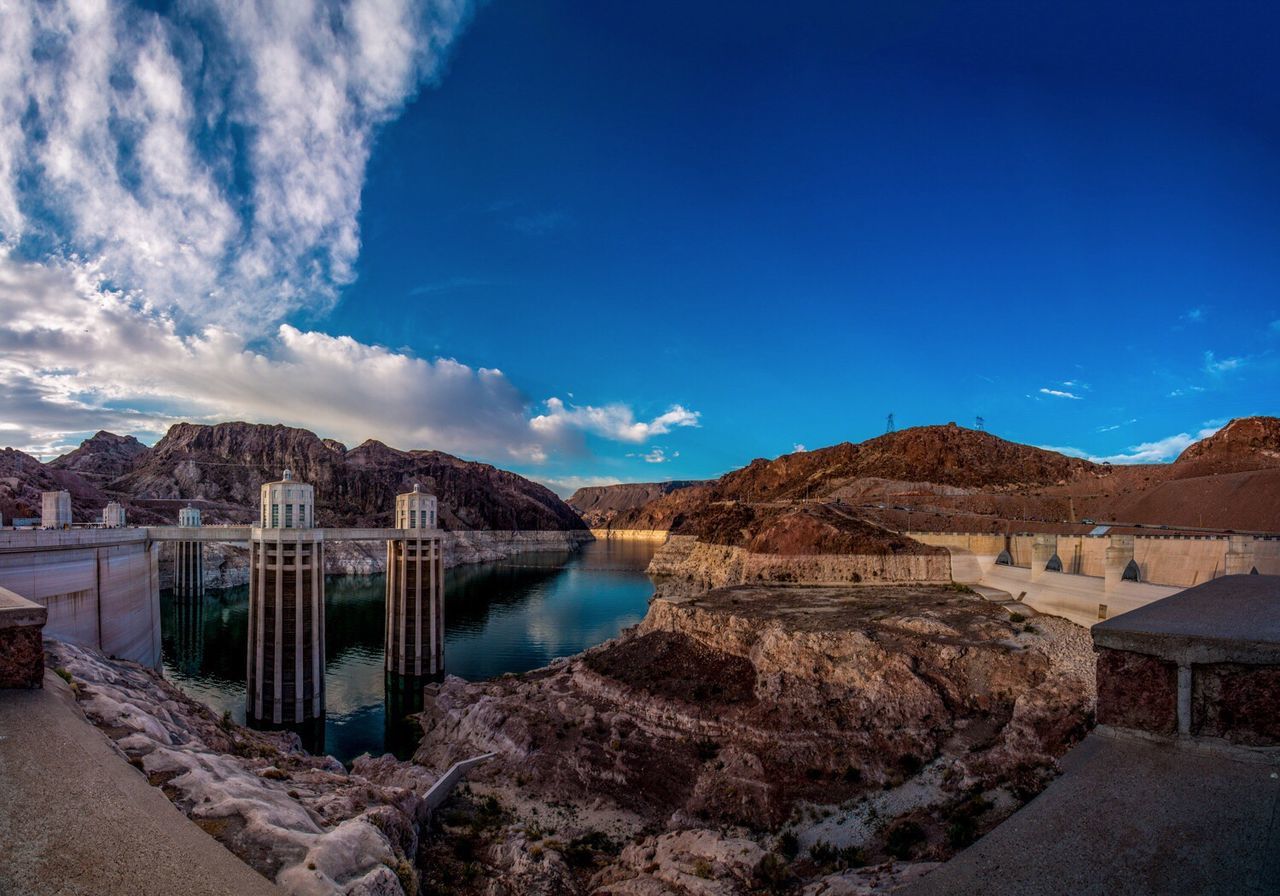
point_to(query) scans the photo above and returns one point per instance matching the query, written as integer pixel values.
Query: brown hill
(943, 455)
(103, 457)
(222, 467)
(798, 530)
(23, 478)
(1250, 443)
(947, 477)
(599, 504)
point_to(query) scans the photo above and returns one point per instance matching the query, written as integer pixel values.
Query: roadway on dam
(75, 818)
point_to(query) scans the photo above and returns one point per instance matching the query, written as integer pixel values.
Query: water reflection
(510, 616)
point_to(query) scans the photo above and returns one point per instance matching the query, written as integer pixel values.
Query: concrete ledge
(1202, 663)
(1232, 619)
(21, 641)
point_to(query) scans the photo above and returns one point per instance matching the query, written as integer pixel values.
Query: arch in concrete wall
(1054, 564)
(1254, 571)
(1131, 572)
(1004, 559)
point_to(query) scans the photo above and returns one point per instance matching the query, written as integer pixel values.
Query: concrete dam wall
(100, 586)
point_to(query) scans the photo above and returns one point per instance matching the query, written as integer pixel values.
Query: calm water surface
(511, 616)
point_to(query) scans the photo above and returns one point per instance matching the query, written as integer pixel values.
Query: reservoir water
(511, 616)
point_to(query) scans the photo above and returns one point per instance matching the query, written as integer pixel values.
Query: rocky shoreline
(226, 566)
(767, 737)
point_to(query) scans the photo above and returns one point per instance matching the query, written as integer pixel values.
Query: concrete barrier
(21, 641)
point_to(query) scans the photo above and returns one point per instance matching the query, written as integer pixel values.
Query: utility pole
(888, 423)
(981, 424)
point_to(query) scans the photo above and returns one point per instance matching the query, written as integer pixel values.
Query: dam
(100, 588)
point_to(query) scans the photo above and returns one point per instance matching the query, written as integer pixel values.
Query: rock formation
(599, 504)
(858, 724)
(302, 821)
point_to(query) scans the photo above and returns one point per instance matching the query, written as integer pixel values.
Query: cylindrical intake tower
(415, 589)
(285, 681)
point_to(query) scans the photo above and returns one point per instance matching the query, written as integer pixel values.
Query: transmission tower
(888, 423)
(981, 424)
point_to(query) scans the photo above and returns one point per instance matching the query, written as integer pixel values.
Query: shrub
(903, 838)
(702, 868)
(789, 845)
(910, 764)
(64, 674)
(1017, 617)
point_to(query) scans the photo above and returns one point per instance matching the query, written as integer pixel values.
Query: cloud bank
(70, 355)
(176, 185)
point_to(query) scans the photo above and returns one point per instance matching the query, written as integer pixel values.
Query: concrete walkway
(1135, 817)
(75, 818)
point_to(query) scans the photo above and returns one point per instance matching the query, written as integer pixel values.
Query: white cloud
(1275, 326)
(1057, 393)
(564, 486)
(1215, 366)
(75, 357)
(1185, 390)
(174, 185)
(1194, 316)
(659, 456)
(797, 448)
(212, 157)
(612, 421)
(1114, 426)
(1154, 452)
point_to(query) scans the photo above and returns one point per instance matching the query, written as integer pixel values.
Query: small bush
(910, 764)
(903, 839)
(1017, 617)
(707, 749)
(789, 845)
(702, 868)
(62, 673)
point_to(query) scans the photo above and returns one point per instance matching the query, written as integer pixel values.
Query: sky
(629, 242)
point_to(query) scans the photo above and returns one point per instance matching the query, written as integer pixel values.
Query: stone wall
(1137, 691)
(21, 642)
(716, 566)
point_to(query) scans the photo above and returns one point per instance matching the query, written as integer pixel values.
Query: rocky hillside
(947, 477)
(1250, 443)
(23, 478)
(223, 466)
(102, 458)
(824, 715)
(599, 504)
(220, 468)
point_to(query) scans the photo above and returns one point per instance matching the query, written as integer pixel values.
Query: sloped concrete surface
(75, 818)
(1130, 816)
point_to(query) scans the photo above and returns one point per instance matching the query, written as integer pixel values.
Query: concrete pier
(415, 589)
(285, 677)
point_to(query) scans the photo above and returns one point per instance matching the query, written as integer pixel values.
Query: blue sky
(704, 234)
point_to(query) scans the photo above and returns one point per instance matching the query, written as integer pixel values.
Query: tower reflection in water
(188, 633)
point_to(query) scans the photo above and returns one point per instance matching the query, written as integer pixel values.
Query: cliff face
(222, 467)
(598, 505)
(737, 705)
(1250, 443)
(703, 565)
(103, 457)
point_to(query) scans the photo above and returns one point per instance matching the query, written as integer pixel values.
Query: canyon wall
(226, 565)
(717, 566)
